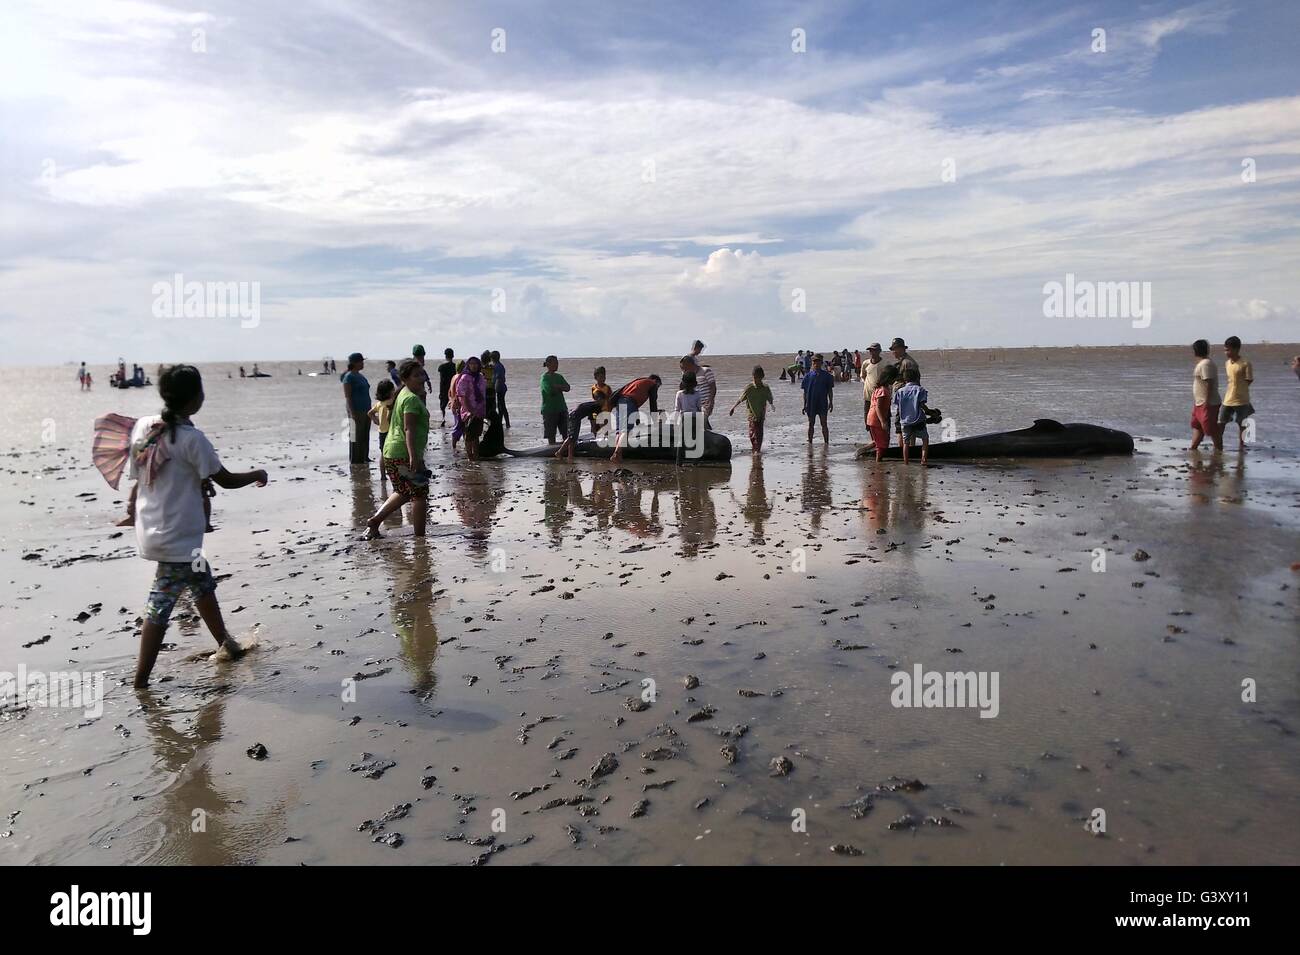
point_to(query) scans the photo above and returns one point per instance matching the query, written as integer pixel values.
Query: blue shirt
(358, 391)
(499, 378)
(817, 386)
(907, 404)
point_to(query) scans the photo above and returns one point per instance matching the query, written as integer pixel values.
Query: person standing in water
(356, 398)
(170, 459)
(403, 454)
(1205, 397)
(757, 396)
(446, 372)
(818, 398)
(472, 390)
(555, 410)
(1236, 403)
(499, 381)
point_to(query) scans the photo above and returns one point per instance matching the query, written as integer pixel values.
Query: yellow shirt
(1239, 374)
(385, 411)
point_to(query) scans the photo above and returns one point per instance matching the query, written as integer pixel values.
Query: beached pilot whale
(649, 444)
(1046, 439)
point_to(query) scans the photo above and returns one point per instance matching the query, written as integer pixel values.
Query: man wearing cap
(356, 396)
(418, 354)
(902, 361)
(873, 367)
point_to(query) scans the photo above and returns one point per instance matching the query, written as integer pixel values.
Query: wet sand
(498, 661)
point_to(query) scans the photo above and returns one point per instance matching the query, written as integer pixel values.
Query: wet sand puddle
(479, 695)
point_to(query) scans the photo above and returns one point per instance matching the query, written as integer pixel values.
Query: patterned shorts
(399, 472)
(170, 582)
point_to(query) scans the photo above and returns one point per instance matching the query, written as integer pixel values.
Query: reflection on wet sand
(411, 611)
(894, 499)
(697, 515)
(758, 507)
(199, 822)
(815, 488)
(476, 491)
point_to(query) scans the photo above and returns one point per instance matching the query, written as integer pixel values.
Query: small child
(909, 405)
(382, 412)
(689, 402)
(170, 459)
(599, 392)
(758, 396)
(878, 409)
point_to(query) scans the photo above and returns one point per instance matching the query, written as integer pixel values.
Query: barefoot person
(476, 402)
(403, 455)
(758, 396)
(623, 404)
(1205, 397)
(1236, 403)
(555, 410)
(818, 397)
(170, 459)
(911, 412)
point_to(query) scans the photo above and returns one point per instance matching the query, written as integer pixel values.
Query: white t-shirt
(688, 403)
(169, 520)
(1205, 384)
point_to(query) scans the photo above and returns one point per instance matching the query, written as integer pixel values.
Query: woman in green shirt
(408, 435)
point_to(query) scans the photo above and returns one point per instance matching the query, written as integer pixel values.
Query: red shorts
(1205, 418)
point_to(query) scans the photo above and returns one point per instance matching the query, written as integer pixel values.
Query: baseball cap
(417, 350)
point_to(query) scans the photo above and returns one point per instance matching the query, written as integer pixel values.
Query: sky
(611, 179)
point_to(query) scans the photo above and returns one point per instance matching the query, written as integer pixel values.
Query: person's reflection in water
(363, 496)
(1203, 477)
(697, 515)
(910, 499)
(476, 493)
(875, 498)
(183, 755)
(628, 515)
(758, 506)
(412, 614)
(559, 486)
(816, 488)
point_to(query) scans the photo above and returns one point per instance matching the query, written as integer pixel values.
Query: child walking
(170, 459)
(909, 405)
(757, 395)
(382, 412)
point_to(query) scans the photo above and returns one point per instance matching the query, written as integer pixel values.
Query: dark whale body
(1046, 439)
(717, 448)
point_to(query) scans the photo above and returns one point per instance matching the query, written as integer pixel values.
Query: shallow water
(542, 588)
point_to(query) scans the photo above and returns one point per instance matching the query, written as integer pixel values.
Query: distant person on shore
(242, 373)
(879, 407)
(418, 354)
(169, 460)
(403, 455)
(1236, 403)
(818, 397)
(600, 391)
(446, 372)
(1205, 397)
(382, 412)
(910, 410)
(391, 368)
(624, 405)
(90, 380)
(1295, 365)
(500, 378)
(356, 398)
(757, 396)
(473, 390)
(555, 410)
(81, 376)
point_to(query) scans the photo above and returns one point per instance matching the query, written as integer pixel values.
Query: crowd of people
(173, 464)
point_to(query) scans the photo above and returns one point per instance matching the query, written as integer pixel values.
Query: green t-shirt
(757, 397)
(408, 402)
(552, 393)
